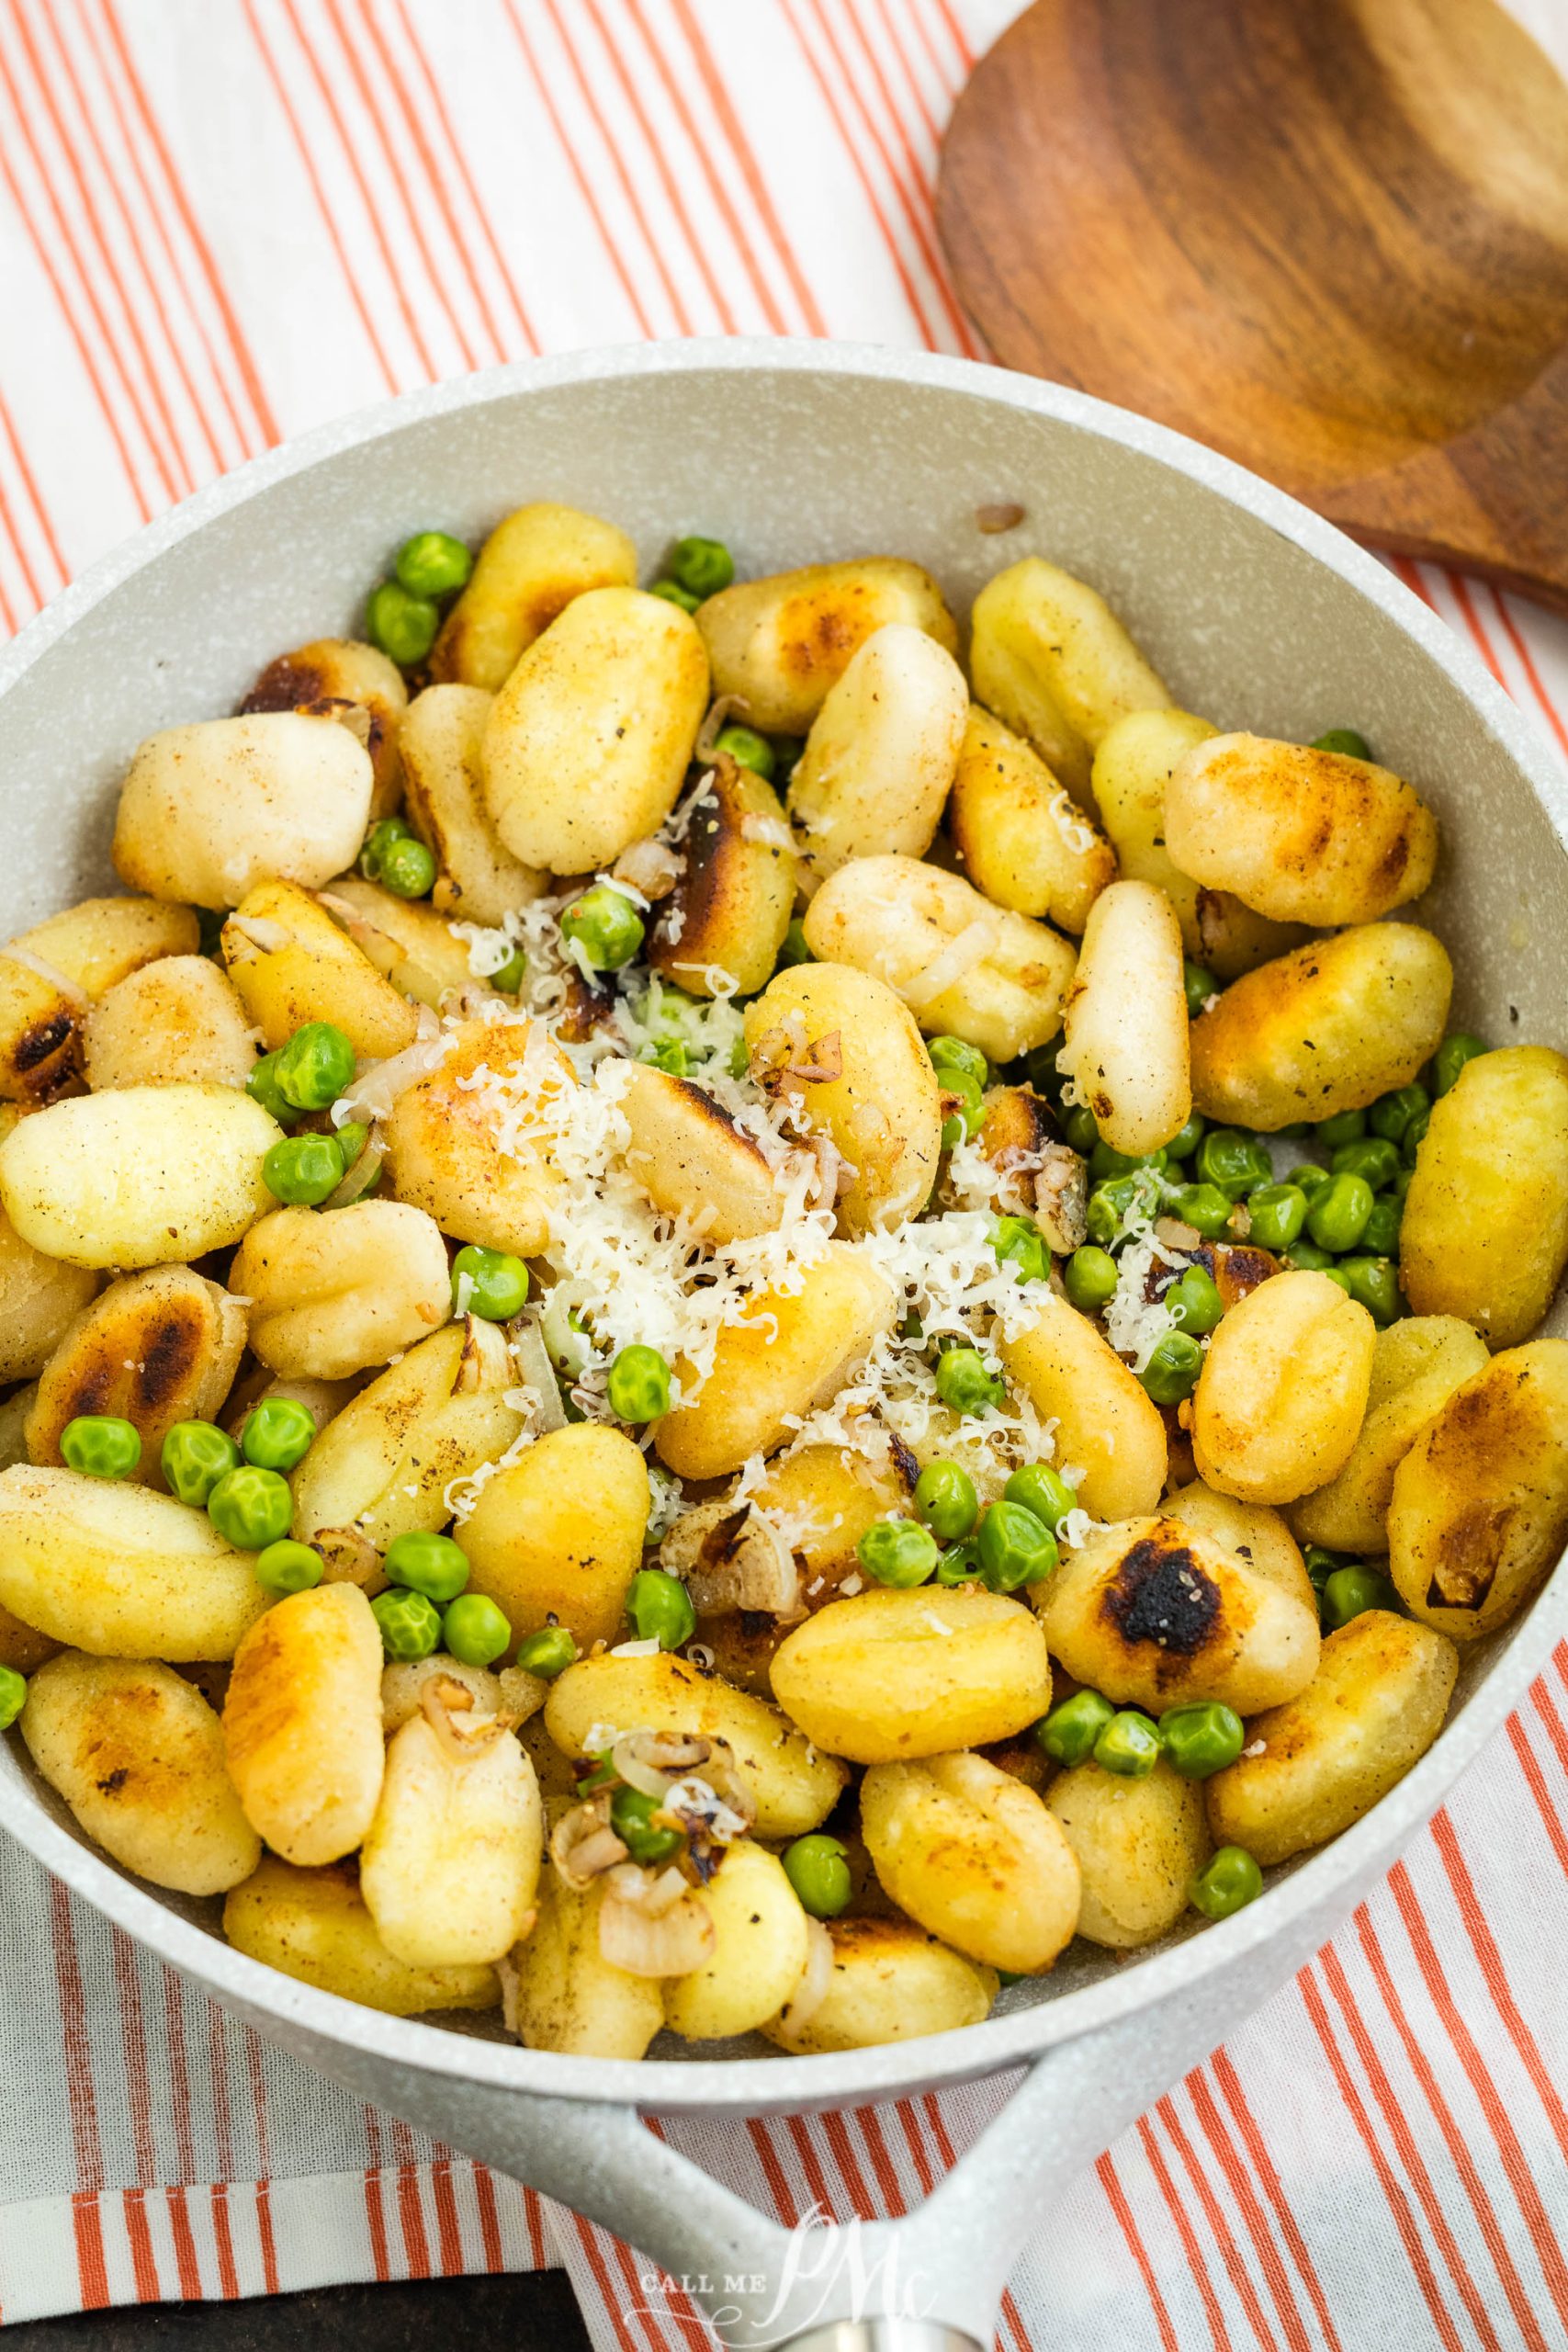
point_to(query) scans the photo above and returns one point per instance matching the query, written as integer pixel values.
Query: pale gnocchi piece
(1138, 1845)
(556, 1536)
(1284, 1390)
(177, 1019)
(1485, 1234)
(405, 1680)
(1417, 1366)
(344, 671)
(887, 1676)
(451, 1860)
(118, 1570)
(383, 1466)
(1478, 1510)
(1110, 1439)
(1049, 655)
(302, 1723)
(138, 1756)
(965, 967)
(529, 569)
(565, 1996)
(1260, 1537)
(793, 1784)
(442, 741)
(290, 963)
(333, 1295)
(1326, 1029)
(1310, 1769)
(39, 1298)
(1019, 834)
(314, 1926)
(689, 1157)
(1126, 1019)
(409, 944)
(588, 742)
(970, 1854)
(888, 1982)
(1298, 834)
(471, 1142)
(840, 1047)
(722, 926)
(761, 1941)
(790, 1352)
(1154, 1613)
(882, 754)
(152, 1349)
(208, 811)
(780, 644)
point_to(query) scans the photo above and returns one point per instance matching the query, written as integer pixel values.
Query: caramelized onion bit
(582, 1844)
(666, 1943)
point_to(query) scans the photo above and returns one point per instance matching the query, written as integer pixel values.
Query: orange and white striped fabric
(222, 221)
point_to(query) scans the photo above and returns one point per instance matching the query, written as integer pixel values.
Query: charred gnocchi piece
(529, 570)
(1154, 1612)
(725, 921)
(52, 975)
(778, 644)
(152, 1349)
(1260, 1538)
(339, 670)
(1018, 834)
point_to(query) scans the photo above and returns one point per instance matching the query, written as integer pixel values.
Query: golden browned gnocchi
(1050, 659)
(1107, 1428)
(1417, 1366)
(290, 964)
(1284, 1390)
(881, 1677)
(722, 926)
(1138, 1845)
(556, 1537)
(529, 569)
(314, 1926)
(777, 646)
(152, 1349)
(339, 670)
(302, 1723)
(1018, 834)
(178, 1018)
(883, 1981)
(1485, 1234)
(447, 1149)
(41, 1297)
(972, 1854)
(882, 754)
(441, 738)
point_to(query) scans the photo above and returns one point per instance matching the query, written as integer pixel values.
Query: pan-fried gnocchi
(677, 1295)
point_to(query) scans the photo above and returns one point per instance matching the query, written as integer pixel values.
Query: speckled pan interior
(1257, 613)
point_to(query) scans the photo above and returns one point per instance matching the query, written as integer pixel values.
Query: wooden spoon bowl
(1328, 237)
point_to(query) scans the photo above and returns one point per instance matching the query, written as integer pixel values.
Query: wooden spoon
(1328, 237)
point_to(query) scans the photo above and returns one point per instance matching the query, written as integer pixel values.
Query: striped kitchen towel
(222, 221)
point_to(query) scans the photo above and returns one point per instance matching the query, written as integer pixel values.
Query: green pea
(433, 563)
(605, 926)
(1375, 1283)
(1320, 1564)
(262, 1086)
(1306, 1258)
(794, 949)
(1201, 1738)
(1337, 1212)
(1081, 1128)
(954, 1053)
(1089, 1278)
(351, 1139)
(315, 1066)
(660, 1607)
(403, 627)
(1104, 1163)
(1380, 1237)
(1068, 1733)
(1374, 1158)
(489, 1282)
(251, 1508)
(640, 1385)
(969, 1117)
(747, 750)
(1336, 1274)
(1349, 1592)
(1044, 1491)
(1308, 1177)
(1400, 1186)
(100, 1445)
(1227, 1882)
(1129, 1746)
(1122, 1201)
(411, 1626)
(1391, 1113)
(960, 1563)
(1018, 1242)
(475, 1631)
(279, 1433)
(1451, 1057)
(1015, 1547)
(303, 1171)
(1200, 984)
(433, 1565)
(632, 1817)
(1203, 1206)
(509, 976)
(818, 1870)
(547, 1652)
(669, 1055)
(1193, 1302)
(407, 869)
(946, 1501)
(673, 594)
(1414, 1136)
(194, 1455)
(1186, 1140)
(383, 835)
(1233, 1163)
(1347, 741)
(13, 1696)
(702, 566)
(1346, 1127)
(286, 1567)
(898, 1552)
(1278, 1212)
(1171, 1372)
(963, 1384)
